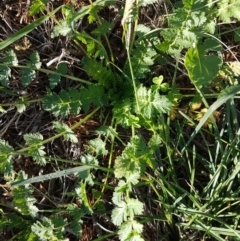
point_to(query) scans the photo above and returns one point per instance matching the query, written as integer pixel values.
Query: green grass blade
(211, 109)
(25, 30)
(51, 175)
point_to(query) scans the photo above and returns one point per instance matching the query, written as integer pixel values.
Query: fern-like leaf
(64, 103)
(124, 114)
(142, 58)
(36, 150)
(151, 102)
(94, 94)
(98, 72)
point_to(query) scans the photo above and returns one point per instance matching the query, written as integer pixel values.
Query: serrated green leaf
(37, 6)
(107, 131)
(65, 97)
(59, 226)
(68, 11)
(6, 158)
(11, 222)
(38, 153)
(154, 142)
(23, 199)
(44, 229)
(10, 58)
(52, 102)
(64, 103)
(227, 9)
(125, 230)
(124, 166)
(143, 57)
(77, 222)
(134, 207)
(94, 94)
(35, 61)
(87, 175)
(130, 208)
(5, 147)
(123, 113)
(185, 26)
(54, 79)
(135, 237)
(63, 29)
(133, 178)
(36, 150)
(93, 12)
(62, 127)
(119, 213)
(202, 67)
(76, 101)
(161, 103)
(142, 30)
(129, 229)
(28, 75)
(97, 146)
(5, 73)
(133, 159)
(33, 139)
(151, 103)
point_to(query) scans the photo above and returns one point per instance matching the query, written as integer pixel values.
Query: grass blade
(51, 175)
(211, 109)
(25, 30)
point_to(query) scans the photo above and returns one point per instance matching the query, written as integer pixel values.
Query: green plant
(156, 146)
